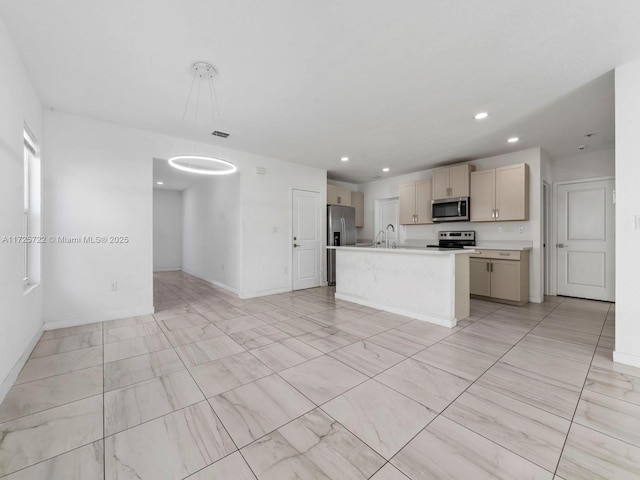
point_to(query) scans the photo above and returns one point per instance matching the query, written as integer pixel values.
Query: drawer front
(497, 254)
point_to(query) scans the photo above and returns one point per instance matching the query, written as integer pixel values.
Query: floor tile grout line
(575, 410)
(55, 406)
(464, 391)
(214, 413)
(438, 342)
(570, 421)
(51, 458)
(501, 357)
(220, 420)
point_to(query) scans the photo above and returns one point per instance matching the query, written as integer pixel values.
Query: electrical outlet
(499, 229)
(286, 269)
(275, 229)
(637, 222)
(114, 287)
(520, 228)
(222, 267)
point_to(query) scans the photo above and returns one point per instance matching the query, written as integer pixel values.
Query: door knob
(561, 245)
(295, 245)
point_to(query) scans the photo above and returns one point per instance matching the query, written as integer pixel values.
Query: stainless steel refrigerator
(341, 231)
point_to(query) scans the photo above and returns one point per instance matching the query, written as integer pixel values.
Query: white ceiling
(387, 83)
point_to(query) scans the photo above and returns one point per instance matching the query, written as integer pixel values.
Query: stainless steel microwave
(450, 210)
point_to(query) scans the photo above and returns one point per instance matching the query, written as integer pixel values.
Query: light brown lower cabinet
(500, 275)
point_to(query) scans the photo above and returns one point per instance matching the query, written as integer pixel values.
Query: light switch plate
(637, 222)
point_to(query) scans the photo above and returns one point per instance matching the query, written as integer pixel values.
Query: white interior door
(307, 244)
(388, 209)
(585, 245)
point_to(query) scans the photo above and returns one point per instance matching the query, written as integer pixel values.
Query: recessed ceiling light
(385, 169)
(345, 159)
(582, 147)
(513, 140)
(481, 115)
(160, 183)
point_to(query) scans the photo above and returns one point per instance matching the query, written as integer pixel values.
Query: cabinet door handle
(491, 267)
(339, 199)
(493, 213)
(497, 213)
(488, 266)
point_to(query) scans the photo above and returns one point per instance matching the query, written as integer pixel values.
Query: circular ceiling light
(159, 183)
(481, 115)
(513, 139)
(385, 169)
(345, 159)
(202, 165)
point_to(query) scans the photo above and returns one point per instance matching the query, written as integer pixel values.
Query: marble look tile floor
(301, 386)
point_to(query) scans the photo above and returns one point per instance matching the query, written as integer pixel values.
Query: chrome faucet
(375, 242)
(386, 234)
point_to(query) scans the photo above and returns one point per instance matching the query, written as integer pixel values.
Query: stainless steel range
(455, 240)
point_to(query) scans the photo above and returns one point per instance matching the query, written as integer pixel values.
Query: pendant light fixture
(194, 163)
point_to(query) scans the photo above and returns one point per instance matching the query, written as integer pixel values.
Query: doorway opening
(386, 213)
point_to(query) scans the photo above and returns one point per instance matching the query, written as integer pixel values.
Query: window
(31, 212)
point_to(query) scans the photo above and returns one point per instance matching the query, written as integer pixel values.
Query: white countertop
(409, 250)
(503, 245)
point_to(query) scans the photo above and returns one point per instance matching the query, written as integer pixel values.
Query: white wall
(97, 183)
(584, 165)
(627, 167)
(485, 231)
(243, 222)
(267, 241)
(212, 240)
(20, 314)
(167, 230)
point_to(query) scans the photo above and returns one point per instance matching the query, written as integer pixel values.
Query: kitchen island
(426, 284)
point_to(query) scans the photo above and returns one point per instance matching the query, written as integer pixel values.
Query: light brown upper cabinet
(338, 196)
(500, 194)
(452, 182)
(357, 201)
(415, 203)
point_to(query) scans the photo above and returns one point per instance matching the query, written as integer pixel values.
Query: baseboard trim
(167, 269)
(626, 358)
(263, 293)
(8, 382)
(212, 282)
(407, 313)
(100, 317)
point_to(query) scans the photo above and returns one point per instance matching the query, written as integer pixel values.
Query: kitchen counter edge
(413, 251)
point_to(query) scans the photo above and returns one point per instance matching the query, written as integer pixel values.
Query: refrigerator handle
(343, 232)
